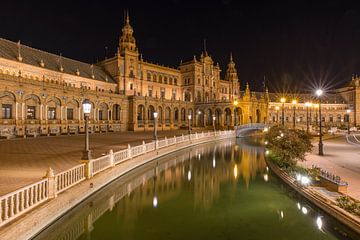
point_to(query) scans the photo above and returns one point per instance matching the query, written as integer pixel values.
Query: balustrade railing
(69, 178)
(100, 164)
(20, 201)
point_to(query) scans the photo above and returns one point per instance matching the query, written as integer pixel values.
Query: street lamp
(294, 102)
(307, 105)
(155, 127)
(319, 93)
(87, 109)
(277, 108)
(348, 120)
(214, 119)
(282, 100)
(189, 118)
(235, 104)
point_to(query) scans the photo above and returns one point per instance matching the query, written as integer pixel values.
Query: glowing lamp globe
(87, 106)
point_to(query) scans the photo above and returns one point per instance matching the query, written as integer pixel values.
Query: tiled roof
(9, 50)
(333, 98)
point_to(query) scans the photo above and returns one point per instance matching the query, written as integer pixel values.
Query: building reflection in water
(199, 171)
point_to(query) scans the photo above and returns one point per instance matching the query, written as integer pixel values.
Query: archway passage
(150, 115)
(258, 116)
(200, 118)
(227, 117)
(116, 112)
(141, 115)
(218, 122)
(238, 116)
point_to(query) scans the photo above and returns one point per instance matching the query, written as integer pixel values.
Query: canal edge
(325, 204)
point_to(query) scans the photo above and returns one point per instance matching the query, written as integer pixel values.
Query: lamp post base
(86, 155)
(321, 149)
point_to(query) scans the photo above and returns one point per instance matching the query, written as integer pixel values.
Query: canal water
(220, 190)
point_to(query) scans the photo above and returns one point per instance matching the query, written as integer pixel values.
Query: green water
(214, 191)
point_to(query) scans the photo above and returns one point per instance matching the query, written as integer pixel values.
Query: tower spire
(127, 17)
(231, 57)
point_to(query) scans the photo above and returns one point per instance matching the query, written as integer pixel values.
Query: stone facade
(42, 93)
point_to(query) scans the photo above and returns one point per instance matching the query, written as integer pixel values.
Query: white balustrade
(100, 164)
(120, 156)
(137, 150)
(22, 200)
(69, 178)
(150, 146)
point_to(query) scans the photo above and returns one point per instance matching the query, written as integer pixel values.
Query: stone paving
(341, 159)
(24, 161)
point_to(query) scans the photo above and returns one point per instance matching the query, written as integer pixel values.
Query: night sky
(294, 44)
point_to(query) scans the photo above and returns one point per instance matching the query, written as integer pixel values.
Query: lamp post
(214, 119)
(189, 118)
(277, 108)
(87, 109)
(319, 92)
(294, 102)
(348, 120)
(155, 127)
(282, 100)
(235, 104)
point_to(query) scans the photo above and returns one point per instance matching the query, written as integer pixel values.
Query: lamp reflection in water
(235, 171)
(319, 222)
(155, 199)
(266, 177)
(304, 210)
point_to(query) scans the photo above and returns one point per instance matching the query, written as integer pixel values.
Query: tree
(287, 146)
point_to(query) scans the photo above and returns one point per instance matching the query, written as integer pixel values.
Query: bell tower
(127, 41)
(232, 77)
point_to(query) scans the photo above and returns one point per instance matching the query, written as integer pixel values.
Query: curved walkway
(24, 161)
(342, 159)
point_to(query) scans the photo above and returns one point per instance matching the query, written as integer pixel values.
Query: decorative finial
(92, 71)
(127, 17)
(231, 57)
(42, 64)
(19, 58)
(77, 72)
(60, 62)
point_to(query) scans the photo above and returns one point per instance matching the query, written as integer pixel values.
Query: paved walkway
(340, 158)
(24, 161)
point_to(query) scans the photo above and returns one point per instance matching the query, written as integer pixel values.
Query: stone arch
(167, 115)
(218, 114)
(258, 116)
(183, 115)
(160, 114)
(150, 112)
(176, 115)
(154, 78)
(140, 113)
(239, 119)
(116, 115)
(72, 110)
(103, 111)
(160, 79)
(200, 117)
(209, 115)
(7, 101)
(32, 106)
(227, 112)
(53, 108)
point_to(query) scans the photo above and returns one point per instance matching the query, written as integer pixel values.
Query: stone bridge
(243, 130)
